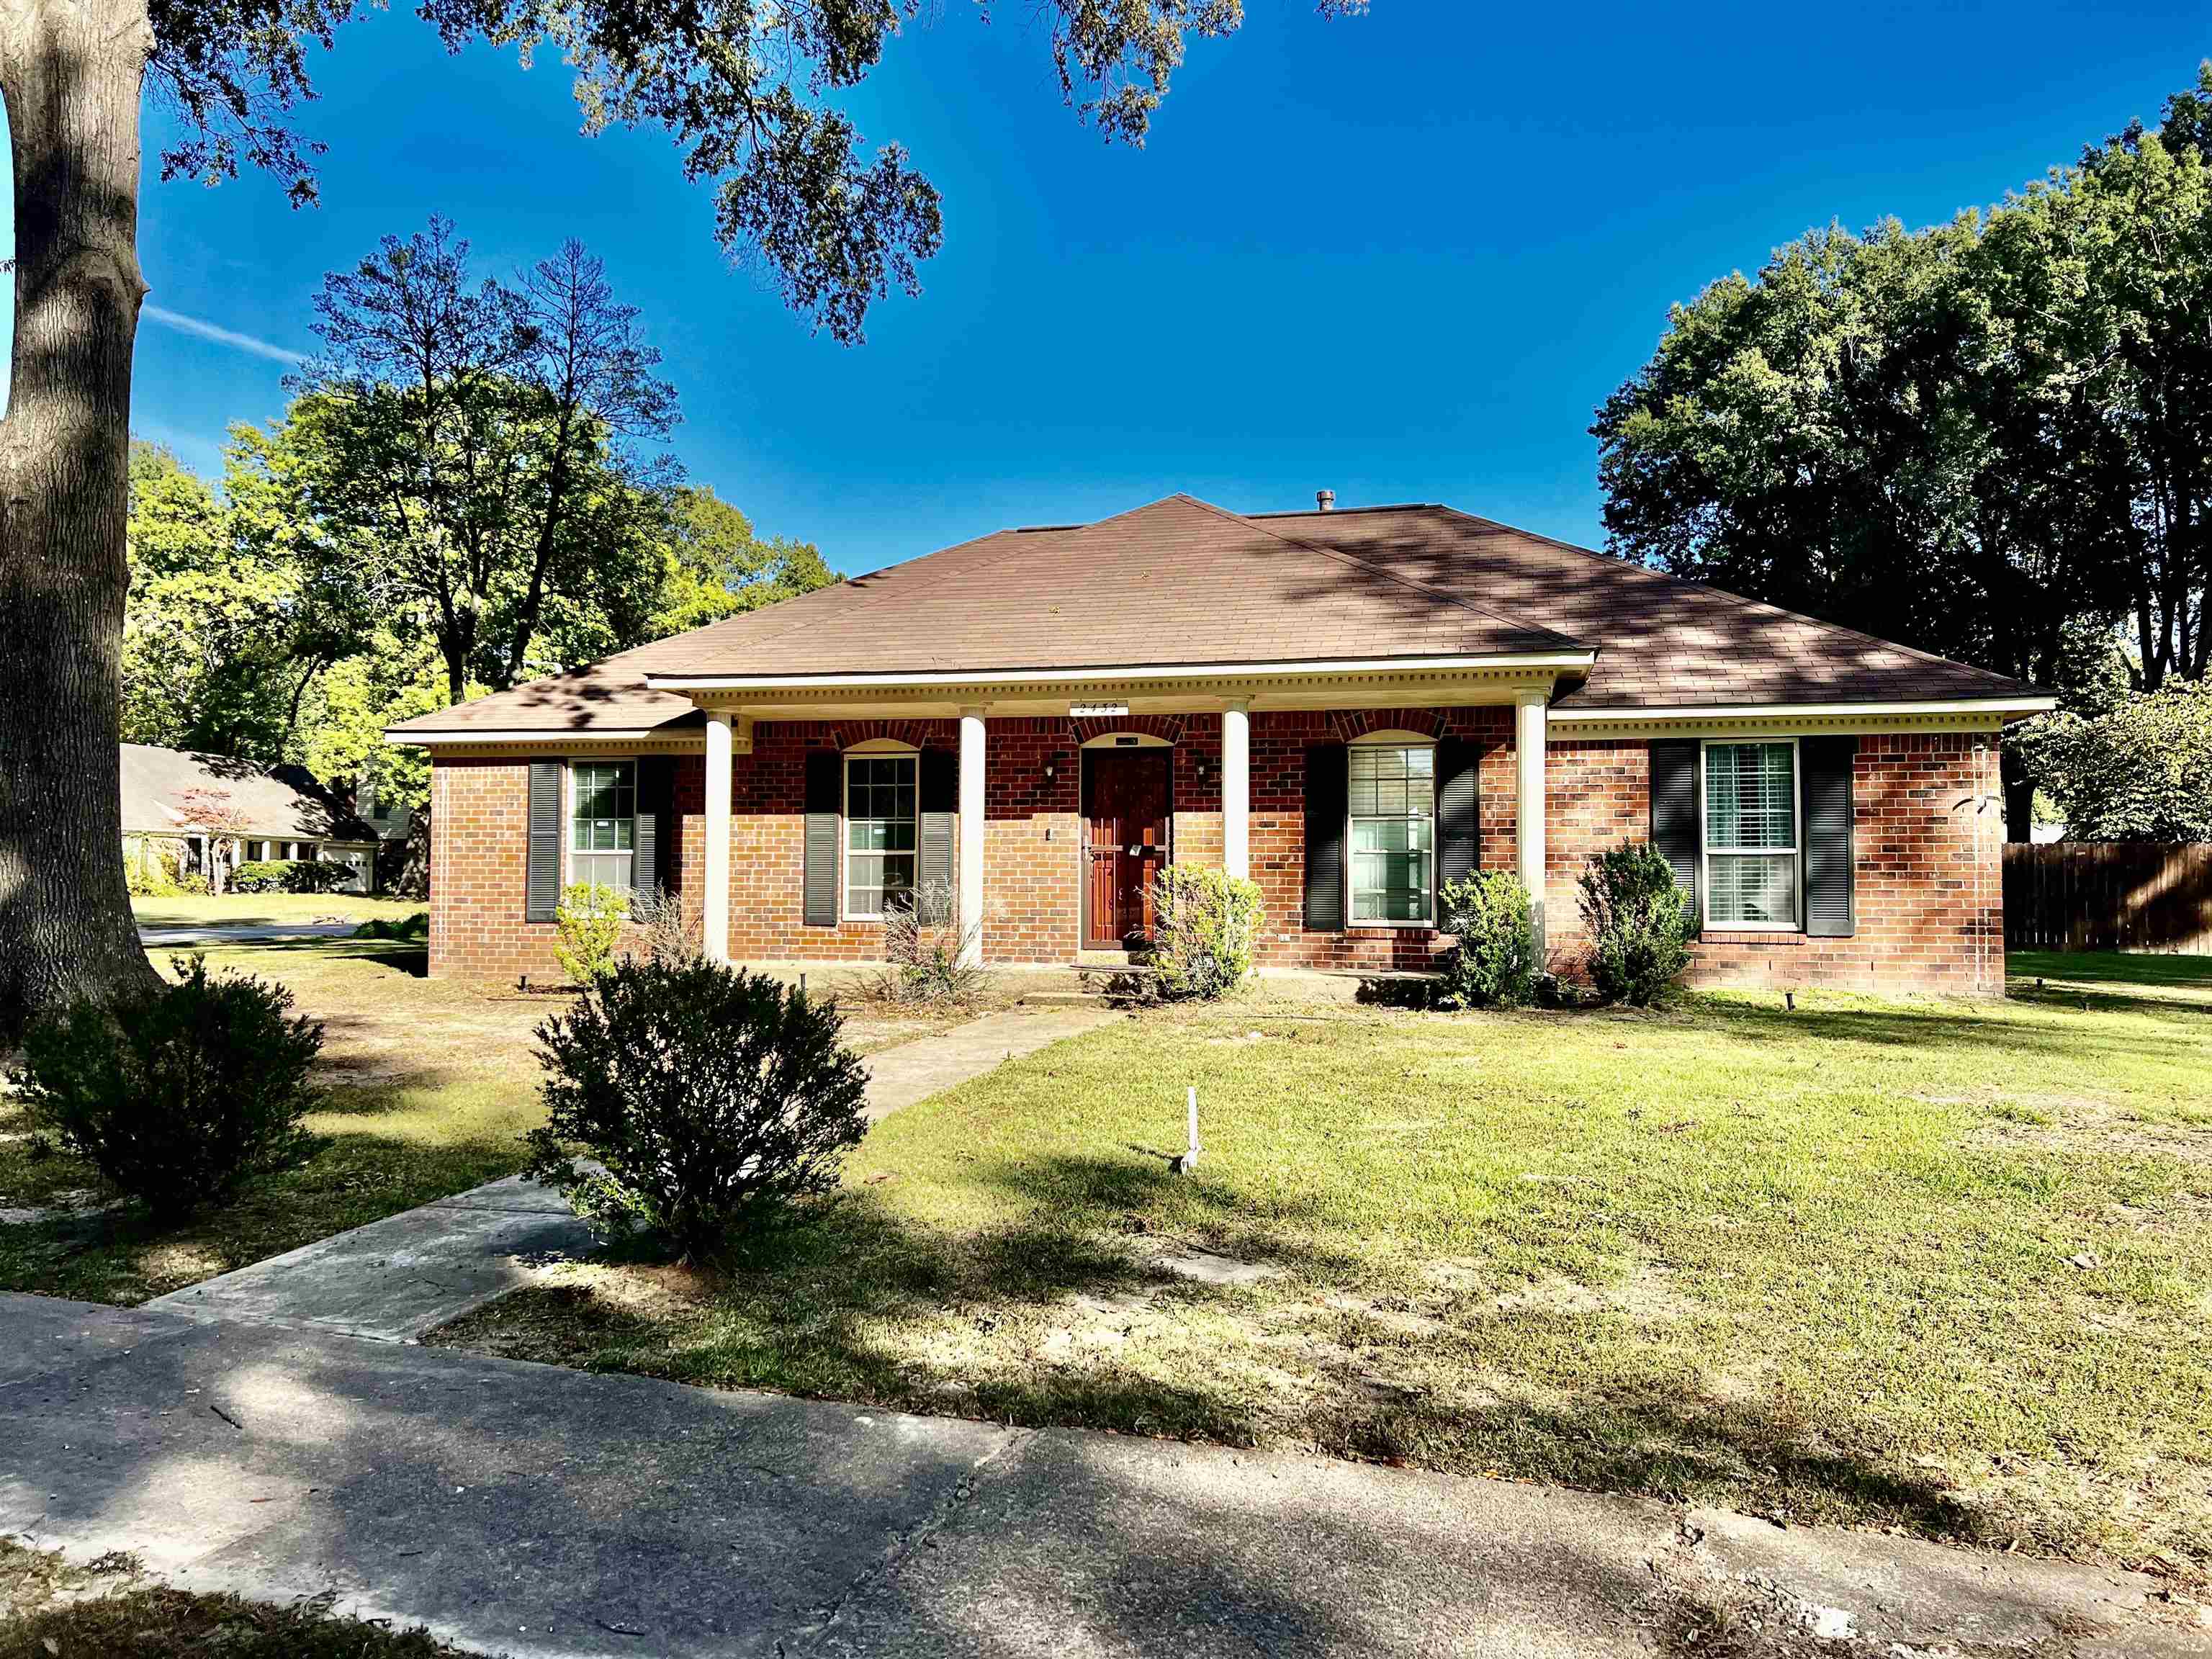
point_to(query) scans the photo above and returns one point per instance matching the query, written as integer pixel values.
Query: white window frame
(1388, 740)
(1796, 849)
(568, 848)
(875, 749)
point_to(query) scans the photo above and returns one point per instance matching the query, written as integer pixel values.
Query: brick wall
(479, 827)
(1928, 879)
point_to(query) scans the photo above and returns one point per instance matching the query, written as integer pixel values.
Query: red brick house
(1349, 706)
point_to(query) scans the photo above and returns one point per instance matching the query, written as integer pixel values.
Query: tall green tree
(1972, 437)
(223, 633)
(745, 90)
(714, 566)
(469, 448)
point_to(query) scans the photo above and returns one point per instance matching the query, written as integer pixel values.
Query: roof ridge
(1611, 562)
(1346, 557)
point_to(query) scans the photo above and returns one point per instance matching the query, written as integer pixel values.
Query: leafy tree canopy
(716, 566)
(744, 87)
(1969, 437)
(2139, 770)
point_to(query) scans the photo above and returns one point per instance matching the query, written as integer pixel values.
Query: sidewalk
(535, 1511)
(396, 1279)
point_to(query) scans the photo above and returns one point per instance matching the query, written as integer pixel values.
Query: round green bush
(178, 1094)
(1493, 963)
(714, 1098)
(1640, 924)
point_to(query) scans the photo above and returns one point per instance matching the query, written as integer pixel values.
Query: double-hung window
(880, 838)
(1394, 832)
(602, 821)
(1751, 845)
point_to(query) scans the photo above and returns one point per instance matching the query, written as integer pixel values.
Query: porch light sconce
(1051, 771)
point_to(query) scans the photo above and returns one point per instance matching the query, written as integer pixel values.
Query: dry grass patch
(51, 1610)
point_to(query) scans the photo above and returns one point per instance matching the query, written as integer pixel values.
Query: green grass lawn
(430, 1084)
(1941, 1267)
(266, 910)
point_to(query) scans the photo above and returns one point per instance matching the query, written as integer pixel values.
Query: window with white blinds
(1751, 845)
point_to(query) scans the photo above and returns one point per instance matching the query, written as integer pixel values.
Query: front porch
(1047, 814)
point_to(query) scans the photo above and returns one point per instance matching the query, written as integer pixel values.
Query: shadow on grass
(1961, 1030)
(123, 1256)
(2111, 968)
(861, 1304)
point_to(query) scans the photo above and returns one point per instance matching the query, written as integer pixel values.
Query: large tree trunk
(71, 72)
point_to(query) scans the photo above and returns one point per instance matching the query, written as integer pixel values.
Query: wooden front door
(1125, 842)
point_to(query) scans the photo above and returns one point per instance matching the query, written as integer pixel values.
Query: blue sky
(1402, 256)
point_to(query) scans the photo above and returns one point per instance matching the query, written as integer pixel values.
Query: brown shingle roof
(1663, 642)
(1181, 584)
(284, 803)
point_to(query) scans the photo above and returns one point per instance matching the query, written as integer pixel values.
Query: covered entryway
(1127, 783)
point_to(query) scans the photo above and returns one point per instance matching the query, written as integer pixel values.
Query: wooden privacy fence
(2108, 896)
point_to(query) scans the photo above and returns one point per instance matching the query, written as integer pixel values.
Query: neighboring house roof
(1182, 585)
(282, 803)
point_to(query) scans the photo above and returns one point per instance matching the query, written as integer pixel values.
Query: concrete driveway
(155, 938)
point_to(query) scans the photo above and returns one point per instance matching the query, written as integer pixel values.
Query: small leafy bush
(714, 1098)
(1494, 964)
(1204, 923)
(587, 927)
(922, 943)
(259, 876)
(1640, 925)
(178, 1094)
(408, 929)
(151, 867)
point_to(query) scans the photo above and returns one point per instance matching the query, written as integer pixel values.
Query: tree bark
(71, 72)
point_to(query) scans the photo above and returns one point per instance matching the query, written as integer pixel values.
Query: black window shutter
(825, 781)
(939, 796)
(541, 897)
(649, 841)
(1677, 815)
(1825, 781)
(1326, 786)
(1459, 820)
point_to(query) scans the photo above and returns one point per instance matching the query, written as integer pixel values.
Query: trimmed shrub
(1203, 923)
(178, 1094)
(408, 929)
(1640, 924)
(289, 876)
(922, 942)
(259, 876)
(714, 1098)
(587, 927)
(316, 875)
(1494, 964)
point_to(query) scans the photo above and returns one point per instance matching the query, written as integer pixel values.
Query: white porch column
(971, 836)
(1528, 723)
(715, 906)
(1237, 789)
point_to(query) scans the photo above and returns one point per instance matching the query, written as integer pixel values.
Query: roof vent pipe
(1325, 500)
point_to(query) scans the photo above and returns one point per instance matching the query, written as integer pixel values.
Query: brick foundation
(1929, 906)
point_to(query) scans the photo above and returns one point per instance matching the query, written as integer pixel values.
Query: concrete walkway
(408, 1273)
(534, 1511)
(915, 1071)
(396, 1279)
